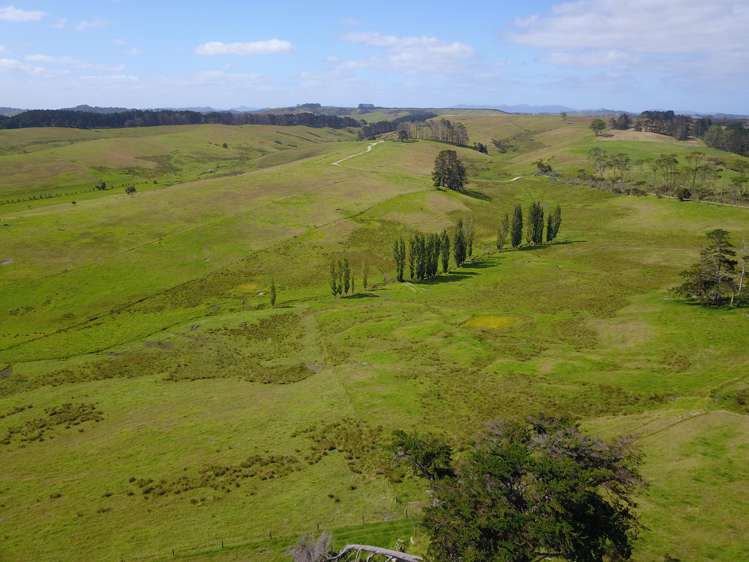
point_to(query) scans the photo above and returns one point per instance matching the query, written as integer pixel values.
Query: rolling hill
(153, 404)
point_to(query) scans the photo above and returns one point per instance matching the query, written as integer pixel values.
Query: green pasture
(218, 418)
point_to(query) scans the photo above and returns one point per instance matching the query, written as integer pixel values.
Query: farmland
(153, 399)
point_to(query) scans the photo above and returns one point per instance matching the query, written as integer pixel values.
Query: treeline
(695, 176)
(428, 252)
(681, 127)
(343, 279)
(530, 224)
(441, 130)
(731, 136)
(140, 118)
(371, 130)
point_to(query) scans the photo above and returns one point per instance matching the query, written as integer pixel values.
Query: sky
(689, 55)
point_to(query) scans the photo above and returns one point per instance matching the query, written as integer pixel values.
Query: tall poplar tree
(445, 251)
(346, 276)
(333, 278)
(503, 231)
(517, 226)
(460, 244)
(469, 237)
(399, 257)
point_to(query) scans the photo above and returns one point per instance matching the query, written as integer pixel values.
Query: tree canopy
(531, 490)
(715, 279)
(449, 171)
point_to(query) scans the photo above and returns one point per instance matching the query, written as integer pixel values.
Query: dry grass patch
(490, 322)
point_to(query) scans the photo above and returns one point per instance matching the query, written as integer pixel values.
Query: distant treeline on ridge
(371, 130)
(153, 118)
(728, 135)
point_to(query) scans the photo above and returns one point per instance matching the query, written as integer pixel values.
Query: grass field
(151, 400)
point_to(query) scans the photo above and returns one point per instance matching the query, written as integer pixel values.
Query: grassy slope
(52, 161)
(584, 327)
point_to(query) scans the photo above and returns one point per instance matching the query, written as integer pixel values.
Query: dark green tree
(445, 251)
(412, 257)
(427, 455)
(712, 281)
(598, 126)
(346, 277)
(534, 234)
(273, 292)
(460, 244)
(449, 171)
(531, 491)
(334, 286)
(503, 231)
(553, 224)
(517, 226)
(421, 254)
(340, 278)
(399, 257)
(469, 231)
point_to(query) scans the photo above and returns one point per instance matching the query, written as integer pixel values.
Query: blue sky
(623, 54)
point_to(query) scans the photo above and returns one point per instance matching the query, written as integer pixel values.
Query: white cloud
(591, 58)
(71, 63)
(417, 52)
(11, 13)
(601, 32)
(221, 77)
(109, 79)
(93, 23)
(126, 49)
(20, 66)
(60, 24)
(267, 47)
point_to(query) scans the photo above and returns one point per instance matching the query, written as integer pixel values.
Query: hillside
(155, 405)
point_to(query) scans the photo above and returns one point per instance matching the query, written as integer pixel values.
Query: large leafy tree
(449, 171)
(531, 491)
(598, 126)
(713, 281)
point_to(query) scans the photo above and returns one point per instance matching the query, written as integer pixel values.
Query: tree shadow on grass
(362, 296)
(476, 195)
(545, 246)
(451, 277)
(483, 263)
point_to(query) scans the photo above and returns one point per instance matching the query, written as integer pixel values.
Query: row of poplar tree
(532, 225)
(342, 278)
(427, 252)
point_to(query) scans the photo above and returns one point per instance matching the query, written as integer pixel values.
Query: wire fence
(378, 529)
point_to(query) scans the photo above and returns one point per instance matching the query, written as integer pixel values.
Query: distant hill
(10, 111)
(543, 109)
(94, 109)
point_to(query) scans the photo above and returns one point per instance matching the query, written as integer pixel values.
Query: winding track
(369, 149)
